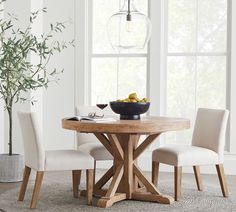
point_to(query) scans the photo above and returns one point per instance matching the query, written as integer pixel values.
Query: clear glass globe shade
(129, 34)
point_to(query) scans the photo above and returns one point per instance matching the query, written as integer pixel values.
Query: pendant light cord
(128, 6)
(128, 18)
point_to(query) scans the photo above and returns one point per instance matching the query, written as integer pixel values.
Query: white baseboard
(145, 164)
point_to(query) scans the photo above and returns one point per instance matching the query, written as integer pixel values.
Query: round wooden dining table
(121, 139)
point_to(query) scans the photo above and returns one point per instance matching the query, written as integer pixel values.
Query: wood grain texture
(76, 175)
(198, 177)
(147, 125)
(105, 203)
(121, 138)
(103, 139)
(94, 172)
(164, 199)
(141, 189)
(99, 192)
(136, 183)
(37, 187)
(178, 180)
(115, 182)
(126, 174)
(223, 184)
(129, 176)
(117, 149)
(103, 180)
(155, 172)
(24, 183)
(149, 186)
(89, 179)
(144, 145)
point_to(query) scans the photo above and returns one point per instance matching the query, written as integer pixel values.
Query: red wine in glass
(101, 102)
(101, 106)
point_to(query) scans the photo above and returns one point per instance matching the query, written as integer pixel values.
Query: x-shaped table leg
(125, 172)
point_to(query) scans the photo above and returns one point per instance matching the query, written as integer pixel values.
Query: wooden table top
(147, 125)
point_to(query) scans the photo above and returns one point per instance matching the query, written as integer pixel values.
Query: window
(114, 74)
(196, 59)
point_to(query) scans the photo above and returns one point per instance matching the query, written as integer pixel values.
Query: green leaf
(17, 74)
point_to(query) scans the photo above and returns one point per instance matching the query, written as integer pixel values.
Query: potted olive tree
(18, 75)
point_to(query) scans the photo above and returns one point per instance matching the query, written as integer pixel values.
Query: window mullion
(192, 54)
(196, 58)
(181, 63)
(118, 55)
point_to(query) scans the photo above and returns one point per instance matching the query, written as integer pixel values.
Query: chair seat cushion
(96, 150)
(183, 155)
(62, 160)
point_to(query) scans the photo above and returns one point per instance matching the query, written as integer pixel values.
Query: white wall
(1, 113)
(58, 99)
(22, 10)
(37, 30)
(81, 52)
(1, 128)
(232, 82)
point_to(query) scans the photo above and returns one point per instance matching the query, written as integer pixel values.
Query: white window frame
(156, 72)
(197, 54)
(117, 56)
(232, 79)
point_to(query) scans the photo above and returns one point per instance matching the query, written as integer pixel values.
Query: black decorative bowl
(129, 110)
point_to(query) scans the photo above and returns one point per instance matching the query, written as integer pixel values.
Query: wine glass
(101, 103)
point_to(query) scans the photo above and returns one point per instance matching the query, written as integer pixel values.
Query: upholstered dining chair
(88, 142)
(207, 148)
(41, 161)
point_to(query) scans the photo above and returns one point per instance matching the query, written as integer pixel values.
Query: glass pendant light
(129, 28)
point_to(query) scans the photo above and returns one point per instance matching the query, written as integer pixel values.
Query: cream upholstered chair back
(83, 138)
(210, 130)
(32, 139)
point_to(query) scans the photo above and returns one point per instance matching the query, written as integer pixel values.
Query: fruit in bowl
(131, 107)
(133, 98)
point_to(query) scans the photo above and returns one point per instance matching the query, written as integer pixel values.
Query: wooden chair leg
(94, 172)
(37, 186)
(155, 172)
(76, 175)
(178, 179)
(198, 177)
(223, 184)
(89, 179)
(24, 183)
